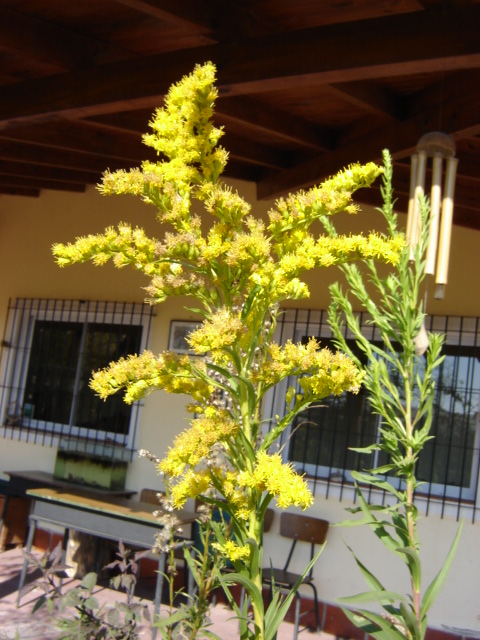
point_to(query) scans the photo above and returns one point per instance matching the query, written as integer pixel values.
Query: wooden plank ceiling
(306, 87)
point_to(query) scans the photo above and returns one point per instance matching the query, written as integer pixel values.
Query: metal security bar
(320, 442)
(49, 350)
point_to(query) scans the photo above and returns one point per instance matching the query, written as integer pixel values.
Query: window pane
(448, 458)
(51, 371)
(62, 359)
(322, 436)
(104, 344)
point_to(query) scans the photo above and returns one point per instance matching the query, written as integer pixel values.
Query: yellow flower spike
(193, 445)
(232, 551)
(192, 485)
(280, 480)
(321, 372)
(140, 375)
(223, 330)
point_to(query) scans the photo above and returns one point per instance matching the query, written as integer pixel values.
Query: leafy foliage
(90, 620)
(398, 376)
(238, 269)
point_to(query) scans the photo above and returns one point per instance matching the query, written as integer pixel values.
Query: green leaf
(414, 565)
(91, 603)
(192, 565)
(370, 579)
(377, 482)
(377, 526)
(369, 449)
(171, 619)
(249, 301)
(374, 625)
(200, 312)
(437, 583)
(39, 603)
(276, 614)
(411, 621)
(384, 469)
(209, 634)
(89, 581)
(381, 596)
(250, 586)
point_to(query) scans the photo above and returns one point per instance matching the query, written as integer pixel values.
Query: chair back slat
(150, 495)
(304, 528)
(268, 520)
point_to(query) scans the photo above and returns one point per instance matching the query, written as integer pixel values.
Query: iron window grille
(319, 442)
(49, 351)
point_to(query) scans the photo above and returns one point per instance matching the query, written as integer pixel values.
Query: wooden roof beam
(40, 183)
(460, 116)
(51, 44)
(398, 45)
(25, 152)
(36, 171)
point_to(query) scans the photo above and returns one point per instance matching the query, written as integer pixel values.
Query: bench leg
(158, 591)
(23, 574)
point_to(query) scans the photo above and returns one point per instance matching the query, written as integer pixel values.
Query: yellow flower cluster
(192, 485)
(329, 251)
(172, 279)
(279, 479)
(333, 195)
(193, 445)
(223, 203)
(250, 249)
(183, 130)
(125, 245)
(139, 375)
(321, 371)
(232, 551)
(223, 330)
(234, 493)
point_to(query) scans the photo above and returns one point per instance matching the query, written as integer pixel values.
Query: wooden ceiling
(306, 86)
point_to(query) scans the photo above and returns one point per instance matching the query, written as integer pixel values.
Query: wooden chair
(304, 529)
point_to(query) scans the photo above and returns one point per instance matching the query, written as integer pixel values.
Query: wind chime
(441, 148)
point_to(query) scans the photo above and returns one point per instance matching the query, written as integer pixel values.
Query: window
(319, 441)
(47, 360)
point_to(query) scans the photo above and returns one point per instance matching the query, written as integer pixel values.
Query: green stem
(410, 486)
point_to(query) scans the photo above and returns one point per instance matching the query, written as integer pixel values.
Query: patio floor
(40, 626)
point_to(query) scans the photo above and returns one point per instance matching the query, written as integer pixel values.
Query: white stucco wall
(28, 227)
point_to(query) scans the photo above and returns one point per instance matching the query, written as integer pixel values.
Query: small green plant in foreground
(77, 612)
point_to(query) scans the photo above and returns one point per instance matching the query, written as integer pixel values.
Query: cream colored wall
(28, 227)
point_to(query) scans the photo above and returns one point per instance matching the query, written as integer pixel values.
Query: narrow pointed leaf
(374, 625)
(377, 482)
(382, 596)
(244, 581)
(437, 583)
(410, 621)
(413, 561)
(275, 615)
(372, 582)
(249, 301)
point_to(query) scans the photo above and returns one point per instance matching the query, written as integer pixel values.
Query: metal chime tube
(416, 220)
(411, 199)
(440, 147)
(435, 202)
(445, 229)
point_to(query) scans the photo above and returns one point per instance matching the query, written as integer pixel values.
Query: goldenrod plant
(399, 379)
(238, 270)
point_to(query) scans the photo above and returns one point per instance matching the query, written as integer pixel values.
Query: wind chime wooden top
(441, 148)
